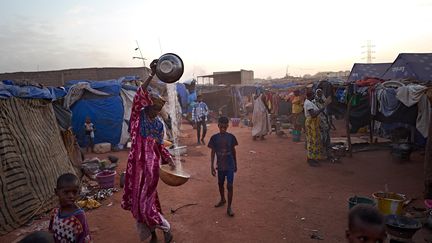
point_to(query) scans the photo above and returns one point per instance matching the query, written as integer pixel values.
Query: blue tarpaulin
(183, 94)
(360, 71)
(9, 89)
(105, 112)
(111, 87)
(57, 93)
(415, 66)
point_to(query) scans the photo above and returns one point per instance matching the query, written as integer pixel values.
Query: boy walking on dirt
(199, 116)
(223, 145)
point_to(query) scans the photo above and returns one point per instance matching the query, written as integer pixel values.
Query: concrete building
(231, 77)
(60, 77)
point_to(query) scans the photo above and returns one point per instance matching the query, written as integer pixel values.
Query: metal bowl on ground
(353, 201)
(401, 226)
(173, 177)
(389, 202)
(169, 68)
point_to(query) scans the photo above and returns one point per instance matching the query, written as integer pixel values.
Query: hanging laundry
(416, 94)
(388, 103)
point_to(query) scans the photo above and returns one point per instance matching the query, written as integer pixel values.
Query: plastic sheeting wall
(127, 97)
(106, 114)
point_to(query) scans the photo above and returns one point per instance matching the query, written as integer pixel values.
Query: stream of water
(175, 114)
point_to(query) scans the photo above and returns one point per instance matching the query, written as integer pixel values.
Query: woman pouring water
(142, 171)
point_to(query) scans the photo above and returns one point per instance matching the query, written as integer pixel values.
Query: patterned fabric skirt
(314, 144)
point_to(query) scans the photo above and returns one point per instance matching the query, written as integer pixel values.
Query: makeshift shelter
(412, 66)
(108, 104)
(32, 155)
(361, 71)
(101, 101)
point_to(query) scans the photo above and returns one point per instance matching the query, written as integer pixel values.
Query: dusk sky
(265, 36)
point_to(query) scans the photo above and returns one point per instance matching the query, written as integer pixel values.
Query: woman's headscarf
(158, 101)
(317, 97)
(259, 90)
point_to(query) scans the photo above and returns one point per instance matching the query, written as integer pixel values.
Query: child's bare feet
(168, 236)
(220, 204)
(230, 212)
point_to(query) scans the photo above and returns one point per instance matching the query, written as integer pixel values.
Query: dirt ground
(277, 196)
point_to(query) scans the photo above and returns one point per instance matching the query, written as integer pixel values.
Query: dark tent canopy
(360, 71)
(414, 66)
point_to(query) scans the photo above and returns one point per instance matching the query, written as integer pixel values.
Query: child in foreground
(365, 224)
(223, 145)
(68, 222)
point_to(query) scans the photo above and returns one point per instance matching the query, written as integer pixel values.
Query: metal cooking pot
(169, 68)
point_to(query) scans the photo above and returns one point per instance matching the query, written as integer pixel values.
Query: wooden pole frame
(347, 125)
(428, 163)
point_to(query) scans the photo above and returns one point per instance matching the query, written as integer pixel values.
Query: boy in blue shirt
(223, 145)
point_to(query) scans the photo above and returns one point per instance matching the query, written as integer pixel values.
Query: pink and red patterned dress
(142, 171)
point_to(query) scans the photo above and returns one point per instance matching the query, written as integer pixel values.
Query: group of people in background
(308, 114)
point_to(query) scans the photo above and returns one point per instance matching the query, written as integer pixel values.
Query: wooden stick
(428, 163)
(347, 124)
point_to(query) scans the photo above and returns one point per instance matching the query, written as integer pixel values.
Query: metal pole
(143, 59)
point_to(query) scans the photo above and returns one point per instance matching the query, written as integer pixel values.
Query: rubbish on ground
(89, 204)
(102, 148)
(408, 202)
(36, 226)
(252, 152)
(312, 230)
(113, 159)
(173, 211)
(316, 237)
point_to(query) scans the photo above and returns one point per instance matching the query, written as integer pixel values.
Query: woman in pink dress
(142, 171)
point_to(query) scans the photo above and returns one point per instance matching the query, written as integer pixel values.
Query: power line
(369, 51)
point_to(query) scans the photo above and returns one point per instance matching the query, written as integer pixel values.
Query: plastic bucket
(353, 201)
(235, 122)
(106, 179)
(296, 135)
(389, 202)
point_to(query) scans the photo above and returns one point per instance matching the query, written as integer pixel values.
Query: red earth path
(277, 196)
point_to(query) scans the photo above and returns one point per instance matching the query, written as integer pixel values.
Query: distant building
(231, 77)
(340, 74)
(60, 77)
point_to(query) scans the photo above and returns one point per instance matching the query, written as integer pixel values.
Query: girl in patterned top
(68, 222)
